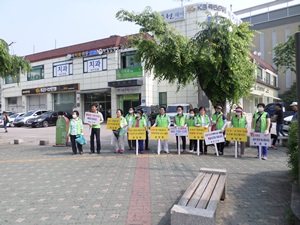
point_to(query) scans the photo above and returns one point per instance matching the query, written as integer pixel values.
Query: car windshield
(46, 114)
(173, 109)
(29, 113)
(13, 115)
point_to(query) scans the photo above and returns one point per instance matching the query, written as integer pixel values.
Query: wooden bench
(199, 203)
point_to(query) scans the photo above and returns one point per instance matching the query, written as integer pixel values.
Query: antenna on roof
(182, 1)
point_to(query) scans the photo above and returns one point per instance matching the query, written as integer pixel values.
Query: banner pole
(158, 147)
(235, 149)
(198, 147)
(216, 148)
(136, 147)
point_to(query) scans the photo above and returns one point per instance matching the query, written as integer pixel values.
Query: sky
(40, 25)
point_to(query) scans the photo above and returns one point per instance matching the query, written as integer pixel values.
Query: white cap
(294, 103)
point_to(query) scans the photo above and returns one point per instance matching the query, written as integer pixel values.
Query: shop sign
(129, 73)
(113, 123)
(197, 133)
(94, 65)
(136, 133)
(173, 15)
(159, 133)
(128, 90)
(214, 137)
(51, 89)
(93, 52)
(260, 139)
(236, 134)
(62, 70)
(125, 83)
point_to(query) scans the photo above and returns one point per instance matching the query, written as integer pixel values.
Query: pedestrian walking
(192, 120)
(75, 129)
(140, 122)
(278, 117)
(295, 109)
(130, 117)
(180, 120)
(261, 124)
(163, 120)
(95, 131)
(5, 121)
(239, 121)
(119, 135)
(202, 121)
(219, 123)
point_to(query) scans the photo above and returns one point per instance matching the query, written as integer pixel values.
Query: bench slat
(216, 196)
(191, 189)
(208, 192)
(199, 192)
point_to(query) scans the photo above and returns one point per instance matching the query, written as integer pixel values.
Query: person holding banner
(140, 122)
(130, 120)
(120, 133)
(192, 120)
(180, 120)
(219, 123)
(95, 130)
(239, 121)
(145, 117)
(163, 120)
(261, 124)
(202, 121)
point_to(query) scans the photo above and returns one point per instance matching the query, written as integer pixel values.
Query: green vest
(162, 121)
(220, 122)
(79, 127)
(199, 120)
(191, 121)
(127, 117)
(263, 121)
(180, 120)
(141, 124)
(239, 123)
(96, 125)
(122, 123)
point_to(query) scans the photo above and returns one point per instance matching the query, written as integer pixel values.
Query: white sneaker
(264, 158)
(191, 151)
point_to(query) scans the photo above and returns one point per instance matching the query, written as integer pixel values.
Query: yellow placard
(236, 134)
(197, 133)
(137, 133)
(113, 123)
(159, 133)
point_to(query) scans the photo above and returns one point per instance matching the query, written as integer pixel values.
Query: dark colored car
(45, 120)
(151, 112)
(271, 109)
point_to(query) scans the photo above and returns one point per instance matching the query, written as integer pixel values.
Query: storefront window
(127, 60)
(12, 80)
(36, 73)
(12, 101)
(64, 102)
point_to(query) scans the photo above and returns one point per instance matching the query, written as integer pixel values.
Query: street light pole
(297, 39)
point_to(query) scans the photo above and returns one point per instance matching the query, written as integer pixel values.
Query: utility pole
(297, 39)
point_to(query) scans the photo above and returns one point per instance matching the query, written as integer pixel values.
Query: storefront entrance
(127, 101)
(102, 99)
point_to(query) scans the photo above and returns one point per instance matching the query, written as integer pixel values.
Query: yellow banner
(159, 133)
(137, 133)
(113, 123)
(196, 133)
(236, 134)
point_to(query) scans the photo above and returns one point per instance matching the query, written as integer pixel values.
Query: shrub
(292, 151)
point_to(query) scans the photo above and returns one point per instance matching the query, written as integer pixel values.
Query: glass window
(259, 74)
(127, 60)
(62, 69)
(163, 99)
(275, 81)
(268, 78)
(36, 73)
(12, 101)
(94, 65)
(12, 80)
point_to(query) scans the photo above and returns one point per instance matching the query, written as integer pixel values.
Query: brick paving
(47, 185)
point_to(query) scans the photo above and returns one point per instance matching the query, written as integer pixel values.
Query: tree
(290, 95)
(217, 57)
(11, 65)
(285, 55)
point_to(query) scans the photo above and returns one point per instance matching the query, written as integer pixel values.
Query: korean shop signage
(129, 73)
(173, 14)
(51, 89)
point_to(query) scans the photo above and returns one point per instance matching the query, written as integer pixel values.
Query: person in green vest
(75, 128)
(147, 128)
(180, 120)
(95, 130)
(261, 124)
(219, 122)
(130, 117)
(191, 122)
(202, 121)
(239, 121)
(163, 120)
(140, 122)
(119, 135)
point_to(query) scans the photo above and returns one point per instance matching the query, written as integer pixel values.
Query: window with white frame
(62, 68)
(94, 64)
(268, 78)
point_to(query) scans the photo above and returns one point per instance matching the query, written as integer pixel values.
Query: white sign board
(95, 65)
(92, 118)
(62, 70)
(260, 139)
(214, 137)
(181, 131)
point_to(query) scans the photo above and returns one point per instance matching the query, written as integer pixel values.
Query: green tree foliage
(285, 55)
(11, 65)
(217, 57)
(290, 95)
(292, 151)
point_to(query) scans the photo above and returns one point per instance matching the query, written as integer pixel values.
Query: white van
(172, 110)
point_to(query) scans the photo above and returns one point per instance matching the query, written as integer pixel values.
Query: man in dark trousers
(95, 131)
(279, 120)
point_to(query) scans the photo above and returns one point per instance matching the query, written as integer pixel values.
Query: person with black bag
(75, 129)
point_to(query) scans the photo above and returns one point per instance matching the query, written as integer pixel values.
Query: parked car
(21, 120)
(13, 117)
(172, 110)
(271, 109)
(151, 112)
(286, 123)
(45, 120)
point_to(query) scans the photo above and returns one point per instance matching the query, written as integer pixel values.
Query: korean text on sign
(236, 134)
(159, 133)
(92, 118)
(197, 133)
(214, 137)
(136, 133)
(113, 123)
(260, 139)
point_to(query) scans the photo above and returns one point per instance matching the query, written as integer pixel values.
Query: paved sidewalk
(48, 185)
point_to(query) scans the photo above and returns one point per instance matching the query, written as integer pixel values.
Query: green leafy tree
(285, 55)
(290, 95)
(11, 65)
(217, 57)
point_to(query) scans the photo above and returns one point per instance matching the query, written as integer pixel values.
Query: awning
(99, 90)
